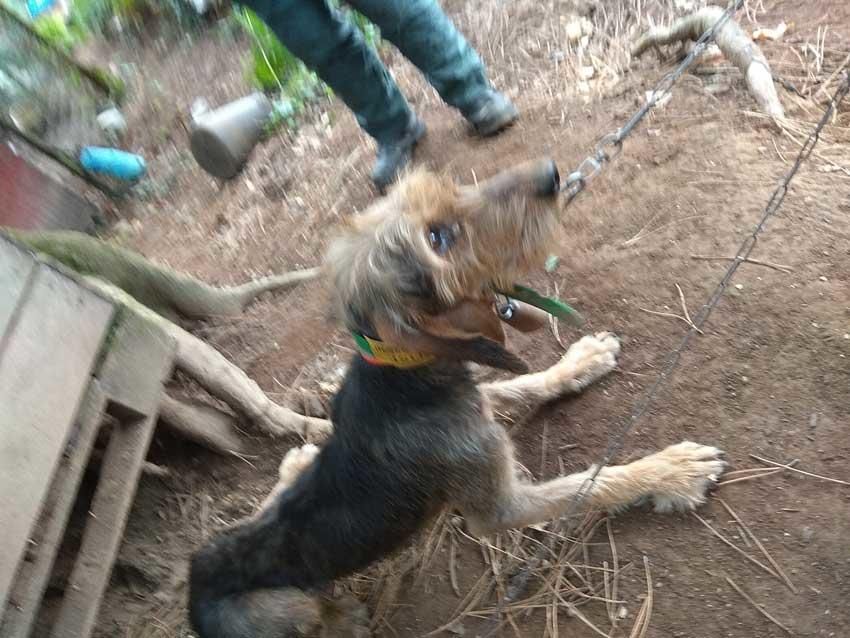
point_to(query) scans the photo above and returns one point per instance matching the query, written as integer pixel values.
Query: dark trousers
(332, 47)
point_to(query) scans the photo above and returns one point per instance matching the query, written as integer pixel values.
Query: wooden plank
(33, 575)
(45, 367)
(16, 270)
(140, 359)
(132, 374)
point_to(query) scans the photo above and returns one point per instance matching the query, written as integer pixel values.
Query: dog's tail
(238, 588)
(261, 613)
(279, 613)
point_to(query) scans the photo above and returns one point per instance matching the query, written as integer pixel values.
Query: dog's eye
(442, 238)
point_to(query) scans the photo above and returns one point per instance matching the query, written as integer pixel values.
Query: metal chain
(611, 145)
(741, 256)
(519, 582)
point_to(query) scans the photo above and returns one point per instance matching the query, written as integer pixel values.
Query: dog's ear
(469, 331)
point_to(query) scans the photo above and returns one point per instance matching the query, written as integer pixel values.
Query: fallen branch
(732, 41)
(748, 260)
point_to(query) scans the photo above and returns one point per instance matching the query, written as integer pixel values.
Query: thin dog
(413, 280)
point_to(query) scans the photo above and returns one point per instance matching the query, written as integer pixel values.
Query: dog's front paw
(683, 474)
(589, 359)
(296, 461)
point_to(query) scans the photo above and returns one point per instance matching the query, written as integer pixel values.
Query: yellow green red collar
(377, 352)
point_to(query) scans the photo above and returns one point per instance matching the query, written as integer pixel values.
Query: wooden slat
(33, 575)
(16, 269)
(140, 359)
(45, 366)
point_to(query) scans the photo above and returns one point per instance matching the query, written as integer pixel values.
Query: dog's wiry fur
(417, 270)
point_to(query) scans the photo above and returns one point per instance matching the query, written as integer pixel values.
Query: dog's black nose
(549, 180)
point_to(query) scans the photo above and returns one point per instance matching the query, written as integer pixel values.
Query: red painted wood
(29, 199)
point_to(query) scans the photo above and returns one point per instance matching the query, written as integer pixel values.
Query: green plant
(272, 66)
(274, 69)
(53, 29)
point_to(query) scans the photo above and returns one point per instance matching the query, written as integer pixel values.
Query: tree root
(161, 289)
(732, 41)
(201, 424)
(159, 294)
(221, 378)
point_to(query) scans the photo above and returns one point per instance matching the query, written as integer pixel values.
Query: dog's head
(418, 269)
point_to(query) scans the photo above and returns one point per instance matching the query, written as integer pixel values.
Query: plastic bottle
(113, 162)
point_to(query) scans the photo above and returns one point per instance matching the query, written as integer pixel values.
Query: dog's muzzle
(548, 182)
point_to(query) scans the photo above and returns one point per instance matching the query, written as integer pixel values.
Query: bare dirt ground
(770, 375)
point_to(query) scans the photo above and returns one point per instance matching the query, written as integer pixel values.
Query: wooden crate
(64, 365)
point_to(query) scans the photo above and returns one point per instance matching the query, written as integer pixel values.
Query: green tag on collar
(554, 307)
(377, 352)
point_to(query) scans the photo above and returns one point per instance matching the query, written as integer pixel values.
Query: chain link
(591, 166)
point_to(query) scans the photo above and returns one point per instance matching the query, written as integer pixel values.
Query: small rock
(586, 72)
(112, 122)
(823, 278)
(807, 534)
(577, 28)
(739, 286)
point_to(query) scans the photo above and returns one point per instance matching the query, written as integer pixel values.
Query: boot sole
(496, 127)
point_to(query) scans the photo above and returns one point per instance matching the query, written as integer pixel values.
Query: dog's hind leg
(271, 612)
(676, 478)
(586, 361)
(295, 461)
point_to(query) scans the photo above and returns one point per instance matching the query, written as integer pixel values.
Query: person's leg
(426, 36)
(329, 45)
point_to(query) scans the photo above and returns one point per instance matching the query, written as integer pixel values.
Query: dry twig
(794, 469)
(758, 607)
(748, 260)
(748, 533)
(672, 315)
(726, 541)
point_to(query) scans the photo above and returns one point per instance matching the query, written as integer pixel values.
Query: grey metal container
(221, 140)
